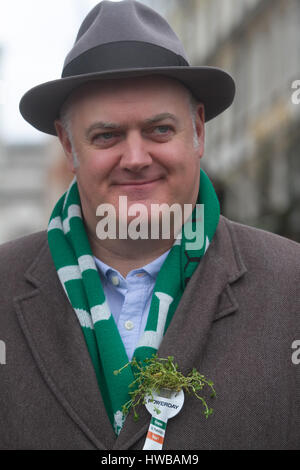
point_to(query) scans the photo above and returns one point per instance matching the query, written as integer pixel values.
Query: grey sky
(35, 36)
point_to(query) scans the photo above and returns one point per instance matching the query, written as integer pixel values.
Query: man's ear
(200, 127)
(66, 144)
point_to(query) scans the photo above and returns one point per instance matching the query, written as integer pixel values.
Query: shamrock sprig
(159, 373)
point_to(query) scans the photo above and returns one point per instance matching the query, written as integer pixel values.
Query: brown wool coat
(235, 323)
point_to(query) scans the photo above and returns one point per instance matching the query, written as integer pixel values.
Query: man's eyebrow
(101, 125)
(111, 125)
(161, 117)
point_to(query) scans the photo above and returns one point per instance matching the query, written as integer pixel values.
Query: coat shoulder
(262, 248)
(22, 251)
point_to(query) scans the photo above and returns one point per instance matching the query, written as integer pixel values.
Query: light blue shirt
(129, 299)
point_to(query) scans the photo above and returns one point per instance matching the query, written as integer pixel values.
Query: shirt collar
(152, 268)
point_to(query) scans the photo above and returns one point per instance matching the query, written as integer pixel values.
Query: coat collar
(58, 345)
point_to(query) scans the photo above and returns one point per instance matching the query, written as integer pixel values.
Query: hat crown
(129, 20)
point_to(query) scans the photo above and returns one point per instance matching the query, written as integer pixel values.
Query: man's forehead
(158, 85)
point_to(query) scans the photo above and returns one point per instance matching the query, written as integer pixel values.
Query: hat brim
(213, 87)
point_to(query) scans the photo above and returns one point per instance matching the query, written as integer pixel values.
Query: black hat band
(123, 55)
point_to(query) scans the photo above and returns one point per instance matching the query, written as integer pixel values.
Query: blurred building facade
(32, 178)
(252, 150)
(1, 104)
(23, 170)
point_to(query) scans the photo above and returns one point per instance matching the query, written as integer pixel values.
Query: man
(77, 306)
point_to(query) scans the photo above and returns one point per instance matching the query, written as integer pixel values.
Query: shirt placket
(130, 318)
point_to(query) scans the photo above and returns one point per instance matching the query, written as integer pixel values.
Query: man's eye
(105, 136)
(161, 132)
(162, 129)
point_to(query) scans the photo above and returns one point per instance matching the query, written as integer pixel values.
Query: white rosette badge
(162, 406)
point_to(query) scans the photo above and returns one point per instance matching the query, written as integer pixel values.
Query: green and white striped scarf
(76, 269)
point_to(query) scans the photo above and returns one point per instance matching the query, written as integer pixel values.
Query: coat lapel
(58, 346)
(207, 298)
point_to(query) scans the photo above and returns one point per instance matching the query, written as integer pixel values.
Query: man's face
(134, 138)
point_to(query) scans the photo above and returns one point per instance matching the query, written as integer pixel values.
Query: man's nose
(135, 155)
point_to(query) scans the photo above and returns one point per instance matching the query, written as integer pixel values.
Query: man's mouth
(138, 184)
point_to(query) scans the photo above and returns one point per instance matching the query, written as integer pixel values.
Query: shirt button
(115, 280)
(129, 325)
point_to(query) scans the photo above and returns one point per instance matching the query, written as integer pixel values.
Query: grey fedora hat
(121, 40)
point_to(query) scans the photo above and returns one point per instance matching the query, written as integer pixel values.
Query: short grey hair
(193, 103)
(66, 122)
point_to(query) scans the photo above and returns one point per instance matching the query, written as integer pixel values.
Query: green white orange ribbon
(165, 406)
